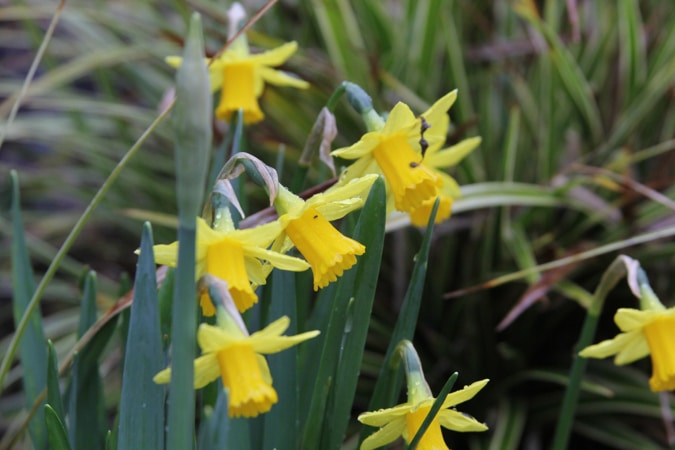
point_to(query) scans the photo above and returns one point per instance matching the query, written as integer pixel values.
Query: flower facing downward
(233, 256)
(307, 225)
(241, 77)
(237, 358)
(393, 148)
(405, 419)
(644, 332)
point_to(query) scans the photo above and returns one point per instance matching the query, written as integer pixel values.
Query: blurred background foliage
(579, 103)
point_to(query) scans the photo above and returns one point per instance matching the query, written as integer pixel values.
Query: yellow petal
(400, 120)
(281, 78)
(279, 343)
(466, 393)
(382, 416)
(275, 57)
(283, 262)
(629, 319)
(660, 335)
(452, 155)
(206, 370)
(613, 346)
(385, 435)
(166, 254)
(212, 338)
(163, 376)
(360, 149)
(457, 421)
(355, 188)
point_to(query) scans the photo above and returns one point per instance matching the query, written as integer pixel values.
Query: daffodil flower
(307, 225)
(241, 77)
(437, 158)
(644, 332)
(394, 149)
(231, 354)
(405, 419)
(234, 256)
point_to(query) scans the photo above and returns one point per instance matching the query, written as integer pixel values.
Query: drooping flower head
(307, 225)
(394, 149)
(406, 419)
(234, 256)
(230, 353)
(241, 76)
(646, 331)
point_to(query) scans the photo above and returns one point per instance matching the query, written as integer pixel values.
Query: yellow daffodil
(394, 149)
(237, 358)
(234, 256)
(435, 159)
(645, 332)
(241, 77)
(307, 225)
(405, 419)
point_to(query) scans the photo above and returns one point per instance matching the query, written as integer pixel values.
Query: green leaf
(85, 409)
(334, 333)
(192, 122)
(53, 390)
(32, 348)
(214, 430)
(141, 417)
(389, 380)
(58, 438)
(370, 232)
(281, 423)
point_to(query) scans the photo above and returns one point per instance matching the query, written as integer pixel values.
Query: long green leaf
(192, 122)
(54, 397)
(33, 349)
(85, 409)
(281, 423)
(141, 418)
(331, 350)
(389, 380)
(370, 231)
(58, 437)
(214, 430)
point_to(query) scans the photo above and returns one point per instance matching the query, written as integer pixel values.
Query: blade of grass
(214, 431)
(141, 416)
(54, 398)
(33, 348)
(433, 411)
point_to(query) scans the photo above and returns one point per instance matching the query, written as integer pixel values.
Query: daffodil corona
(241, 77)
(233, 256)
(237, 358)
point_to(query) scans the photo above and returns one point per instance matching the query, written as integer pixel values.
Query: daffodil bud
(192, 125)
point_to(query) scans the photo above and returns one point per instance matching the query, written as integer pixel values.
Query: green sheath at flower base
(192, 124)
(405, 419)
(646, 331)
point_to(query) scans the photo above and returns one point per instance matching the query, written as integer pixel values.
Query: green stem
(70, 240)
(612, 275)
(331, 104)
(433, 411)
